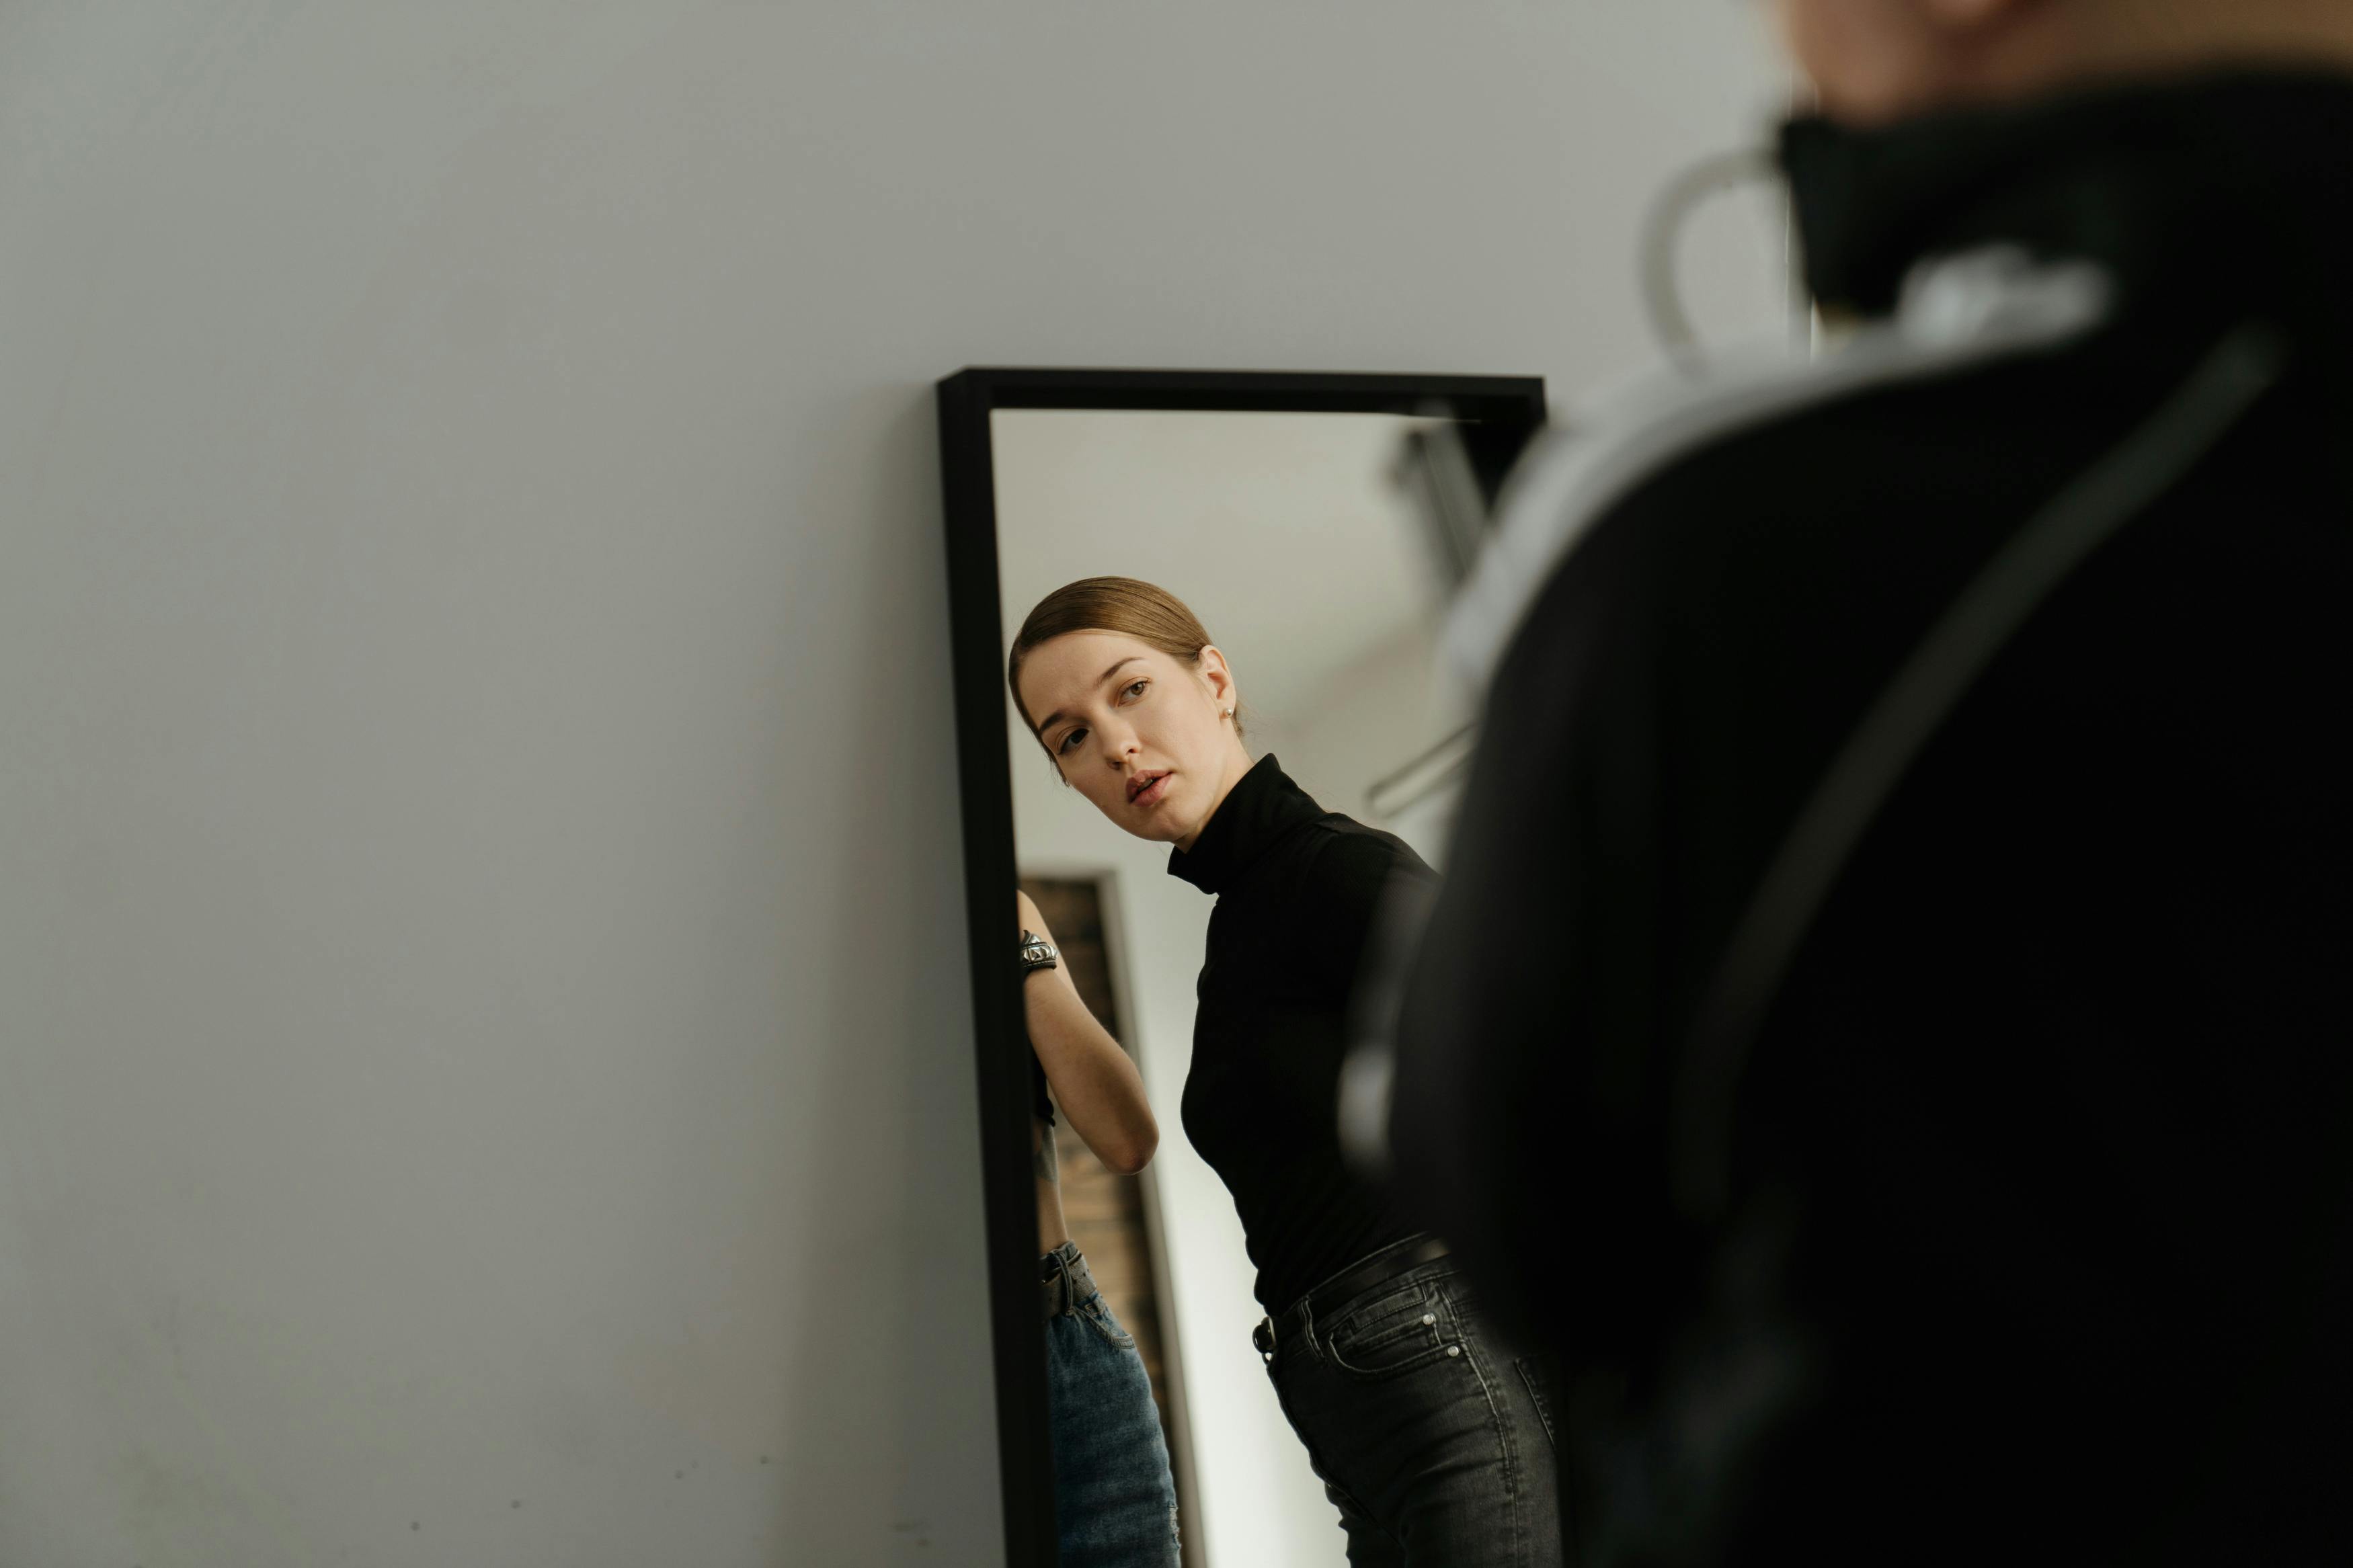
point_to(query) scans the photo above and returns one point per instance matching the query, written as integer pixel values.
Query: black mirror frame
(1499, 414)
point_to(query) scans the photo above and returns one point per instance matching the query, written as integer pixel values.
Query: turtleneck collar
(2240, 182)
(1263, 807)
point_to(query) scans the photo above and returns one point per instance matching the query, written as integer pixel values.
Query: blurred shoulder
(1983, 355)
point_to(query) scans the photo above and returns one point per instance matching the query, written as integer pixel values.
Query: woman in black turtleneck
(1431, 1436)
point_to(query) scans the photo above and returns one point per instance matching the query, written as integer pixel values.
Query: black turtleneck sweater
(2033, 1224)
(1298, 889)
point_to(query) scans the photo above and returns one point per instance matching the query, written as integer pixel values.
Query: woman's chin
(1157, 830)
(1156, 826)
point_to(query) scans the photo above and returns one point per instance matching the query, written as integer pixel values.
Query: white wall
(1367, 725)
(482, 1011)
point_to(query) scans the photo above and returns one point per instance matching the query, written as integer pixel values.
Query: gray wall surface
(485, 1063)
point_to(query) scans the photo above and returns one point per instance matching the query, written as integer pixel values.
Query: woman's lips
(1151, 794)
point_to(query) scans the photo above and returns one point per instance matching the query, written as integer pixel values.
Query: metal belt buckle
(1264, 1338)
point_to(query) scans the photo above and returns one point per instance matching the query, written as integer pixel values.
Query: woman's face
(1141, 735)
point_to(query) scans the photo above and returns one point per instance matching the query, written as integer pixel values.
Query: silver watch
(1037, 953)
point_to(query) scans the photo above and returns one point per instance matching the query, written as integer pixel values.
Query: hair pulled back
(1151, 615)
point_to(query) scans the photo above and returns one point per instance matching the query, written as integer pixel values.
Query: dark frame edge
(1008, 1202)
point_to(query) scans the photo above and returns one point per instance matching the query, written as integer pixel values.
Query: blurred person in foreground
(1885, 1026)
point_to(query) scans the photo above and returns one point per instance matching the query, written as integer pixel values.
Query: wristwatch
(1037, 953)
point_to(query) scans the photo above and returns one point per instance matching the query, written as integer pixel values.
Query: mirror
(1312, 526)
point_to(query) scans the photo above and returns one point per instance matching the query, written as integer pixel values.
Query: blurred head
(1136, 708)
(1876, 60)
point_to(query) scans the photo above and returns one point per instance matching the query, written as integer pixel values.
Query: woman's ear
(1211, 666)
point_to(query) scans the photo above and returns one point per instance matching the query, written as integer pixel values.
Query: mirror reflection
(1228, 756)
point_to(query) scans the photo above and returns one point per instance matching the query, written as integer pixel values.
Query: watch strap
(1037, 953)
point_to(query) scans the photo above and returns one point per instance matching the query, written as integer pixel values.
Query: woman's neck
(1238, 763)
(2087, 42)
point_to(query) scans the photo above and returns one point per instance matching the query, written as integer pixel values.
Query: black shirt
(1297, 888)
(2040, 1161)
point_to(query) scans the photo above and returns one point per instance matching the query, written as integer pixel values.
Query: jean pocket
(1098, 1318)
(1391, 1329)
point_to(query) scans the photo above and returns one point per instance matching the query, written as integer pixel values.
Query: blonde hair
(1152, 616)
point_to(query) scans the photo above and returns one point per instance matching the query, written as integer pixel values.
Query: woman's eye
(1072, 739)
(1131, 692)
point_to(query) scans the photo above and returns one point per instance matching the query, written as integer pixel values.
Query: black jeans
(1433, 1439)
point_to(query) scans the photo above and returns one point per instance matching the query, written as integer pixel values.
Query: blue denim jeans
(1433, 1439)
(1115, 1500)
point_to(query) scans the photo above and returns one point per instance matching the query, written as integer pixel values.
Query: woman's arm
(1094, 1082)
